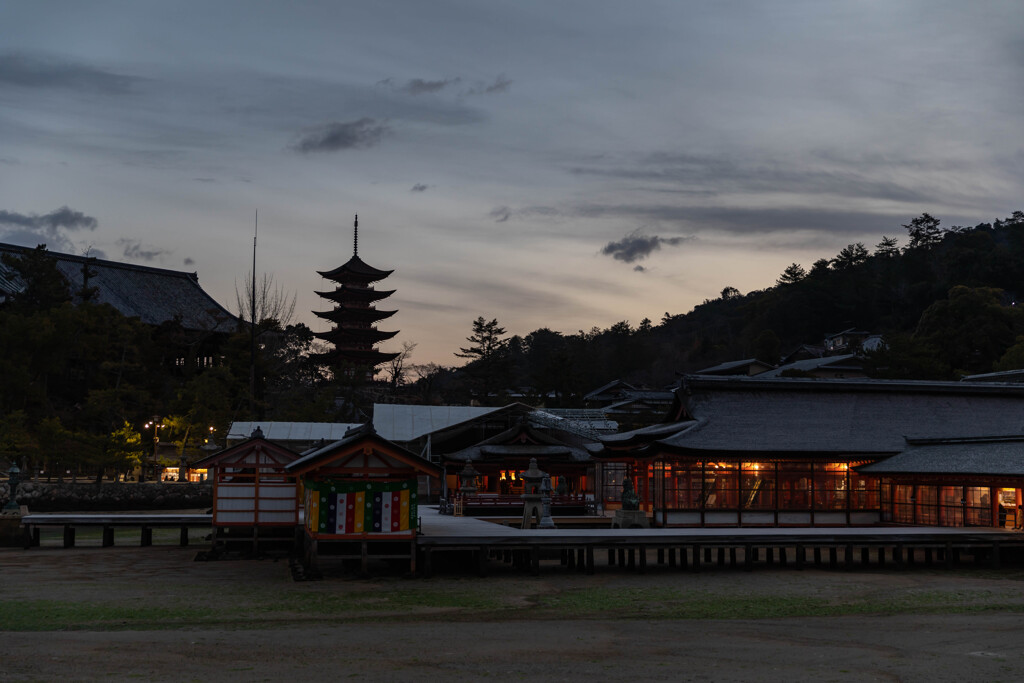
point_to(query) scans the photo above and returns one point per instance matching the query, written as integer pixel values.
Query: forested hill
(942, 297)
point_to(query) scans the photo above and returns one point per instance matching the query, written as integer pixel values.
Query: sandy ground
(266, 643)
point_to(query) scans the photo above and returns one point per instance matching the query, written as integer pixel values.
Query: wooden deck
(476, 543)
(578, 549)
(108, 522)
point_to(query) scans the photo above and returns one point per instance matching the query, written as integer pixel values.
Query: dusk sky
(550, 164)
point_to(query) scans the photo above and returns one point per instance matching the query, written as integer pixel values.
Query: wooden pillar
(748, 558)
(146, 536)
(481, 561)
(108, 536)
(590, 559)
(183, 537)
(69, 537)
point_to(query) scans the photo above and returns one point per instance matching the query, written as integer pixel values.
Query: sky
(549, 164)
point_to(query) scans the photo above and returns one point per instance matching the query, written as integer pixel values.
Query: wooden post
(108, 536)
(183, 538)
(69, 537)
(590, 559)
(146, 539)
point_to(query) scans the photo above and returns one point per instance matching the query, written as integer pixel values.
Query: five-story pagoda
(354, 316)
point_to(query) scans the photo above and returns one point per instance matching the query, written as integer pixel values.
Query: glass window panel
(794, 486)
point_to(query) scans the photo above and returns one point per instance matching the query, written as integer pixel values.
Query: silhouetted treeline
(945, 303)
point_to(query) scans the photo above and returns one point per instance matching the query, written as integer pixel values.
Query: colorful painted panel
(361, 507)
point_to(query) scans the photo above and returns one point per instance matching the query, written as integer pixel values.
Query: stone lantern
(536, 497)
(468, 477)
(13, 479)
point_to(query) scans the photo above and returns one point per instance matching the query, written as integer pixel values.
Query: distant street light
(156, 426)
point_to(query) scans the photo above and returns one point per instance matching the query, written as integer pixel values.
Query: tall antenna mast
(355, 238)
(252, 322)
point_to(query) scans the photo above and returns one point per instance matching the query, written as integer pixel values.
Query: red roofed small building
(361, 497)
(254, 499)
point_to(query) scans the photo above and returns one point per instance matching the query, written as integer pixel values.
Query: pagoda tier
(345, 294)
(354, 271)
(353, 334)
(367, 357)
(340, 336)
(354, 314)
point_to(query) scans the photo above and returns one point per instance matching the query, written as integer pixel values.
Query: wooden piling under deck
(848, 548)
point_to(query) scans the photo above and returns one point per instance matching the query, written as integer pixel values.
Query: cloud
(333, 137)
(500, 214)
(636, 246)
(501, 84)
(60, 218)
(51, 228)
(35, 71)
(761, 220)
(419, 187)
(639, 269)
(418, 86)
(133, 249)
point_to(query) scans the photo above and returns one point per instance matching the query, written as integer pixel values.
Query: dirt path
(247, 620)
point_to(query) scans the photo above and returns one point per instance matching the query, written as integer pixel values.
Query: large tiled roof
(839, 416)
(153, 295)
(990, 456)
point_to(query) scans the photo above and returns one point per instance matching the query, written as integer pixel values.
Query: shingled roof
(839, 416)
(153, 295)
(998, 456)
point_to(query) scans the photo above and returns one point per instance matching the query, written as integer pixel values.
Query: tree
(43, 285)
(485, 341)
(971, 329)
(924, 232)
(850, 256)
(888, 247)
(730, 293)
(271, 301)
(395, 368)
(487, 371)
(792, 274)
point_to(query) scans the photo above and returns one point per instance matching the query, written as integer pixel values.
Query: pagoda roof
(357, 356)
(349, 293)
(345, 313)
(355, 270)
(355, 334)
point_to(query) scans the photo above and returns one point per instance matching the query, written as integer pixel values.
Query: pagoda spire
(354, 334)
